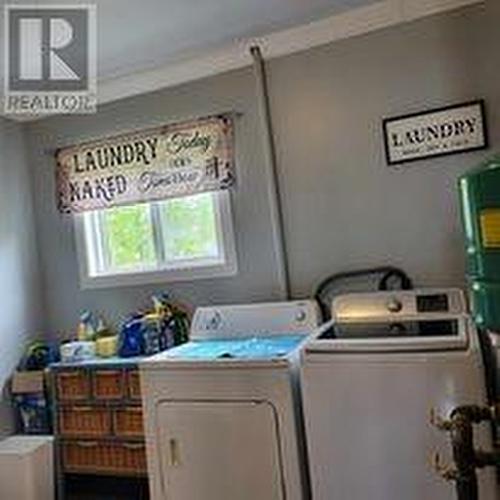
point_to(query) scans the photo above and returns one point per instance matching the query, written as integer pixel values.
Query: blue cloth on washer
(265, 347)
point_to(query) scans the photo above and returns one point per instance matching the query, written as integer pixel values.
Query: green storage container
(485, 301)
(480, 202)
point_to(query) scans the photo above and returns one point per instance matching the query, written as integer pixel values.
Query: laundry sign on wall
(165, 162)
(436, 132)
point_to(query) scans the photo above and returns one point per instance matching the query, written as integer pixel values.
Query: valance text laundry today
(166, 162)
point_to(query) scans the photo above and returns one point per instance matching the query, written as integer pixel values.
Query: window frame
(180, 271)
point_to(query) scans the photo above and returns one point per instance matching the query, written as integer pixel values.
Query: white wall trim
(235, 55)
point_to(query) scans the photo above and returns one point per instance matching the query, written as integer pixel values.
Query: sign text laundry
(436, 132)
(169, 161)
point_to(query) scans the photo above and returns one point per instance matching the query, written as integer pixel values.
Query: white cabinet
(220, 450)
(27, 468)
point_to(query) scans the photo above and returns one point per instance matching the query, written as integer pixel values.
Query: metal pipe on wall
(460, 426)
(278, 232)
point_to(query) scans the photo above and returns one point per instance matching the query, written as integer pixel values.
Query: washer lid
(444, 334)
(249, 348)
(274, 351)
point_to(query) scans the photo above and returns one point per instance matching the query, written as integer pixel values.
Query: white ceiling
(135, 35)
(145, 45)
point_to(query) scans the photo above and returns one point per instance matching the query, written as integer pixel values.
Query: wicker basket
(84, 421)
(128, 422)
(108, 384)
(91, 457)
(73, 385)
(134, 384)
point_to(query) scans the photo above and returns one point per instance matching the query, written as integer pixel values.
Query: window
(177, 239)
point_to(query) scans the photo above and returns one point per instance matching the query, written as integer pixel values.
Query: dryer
(370, 384)
(222, 412)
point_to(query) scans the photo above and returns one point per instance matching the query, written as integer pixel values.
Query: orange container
(128, 422)
(84, 421)
(72, 385)
(92, 457)
(108, 384)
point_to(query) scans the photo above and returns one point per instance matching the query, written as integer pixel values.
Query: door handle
(174, 454)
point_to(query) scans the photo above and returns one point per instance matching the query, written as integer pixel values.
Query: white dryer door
(219, 450)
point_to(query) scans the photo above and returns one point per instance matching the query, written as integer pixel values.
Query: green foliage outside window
(129, 233)
(188, 230)
(189, 227)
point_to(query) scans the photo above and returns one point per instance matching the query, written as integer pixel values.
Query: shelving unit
(98, 424)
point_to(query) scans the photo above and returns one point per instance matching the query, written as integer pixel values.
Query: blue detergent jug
(131, 338)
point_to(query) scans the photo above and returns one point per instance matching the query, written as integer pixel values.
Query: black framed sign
(436, 132)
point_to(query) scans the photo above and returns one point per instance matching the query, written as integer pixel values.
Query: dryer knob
(300, 316)
(394, 306)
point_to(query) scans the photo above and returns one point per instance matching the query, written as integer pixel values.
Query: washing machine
(222, 412)
(370, 385)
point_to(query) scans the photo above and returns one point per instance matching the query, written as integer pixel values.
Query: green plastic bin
(480, 204)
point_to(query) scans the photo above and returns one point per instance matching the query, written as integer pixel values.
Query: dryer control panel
(274, 318)
(434, 302)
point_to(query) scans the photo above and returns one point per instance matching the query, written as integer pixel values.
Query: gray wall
(343, 206)
(256, 280)
(21, 311)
